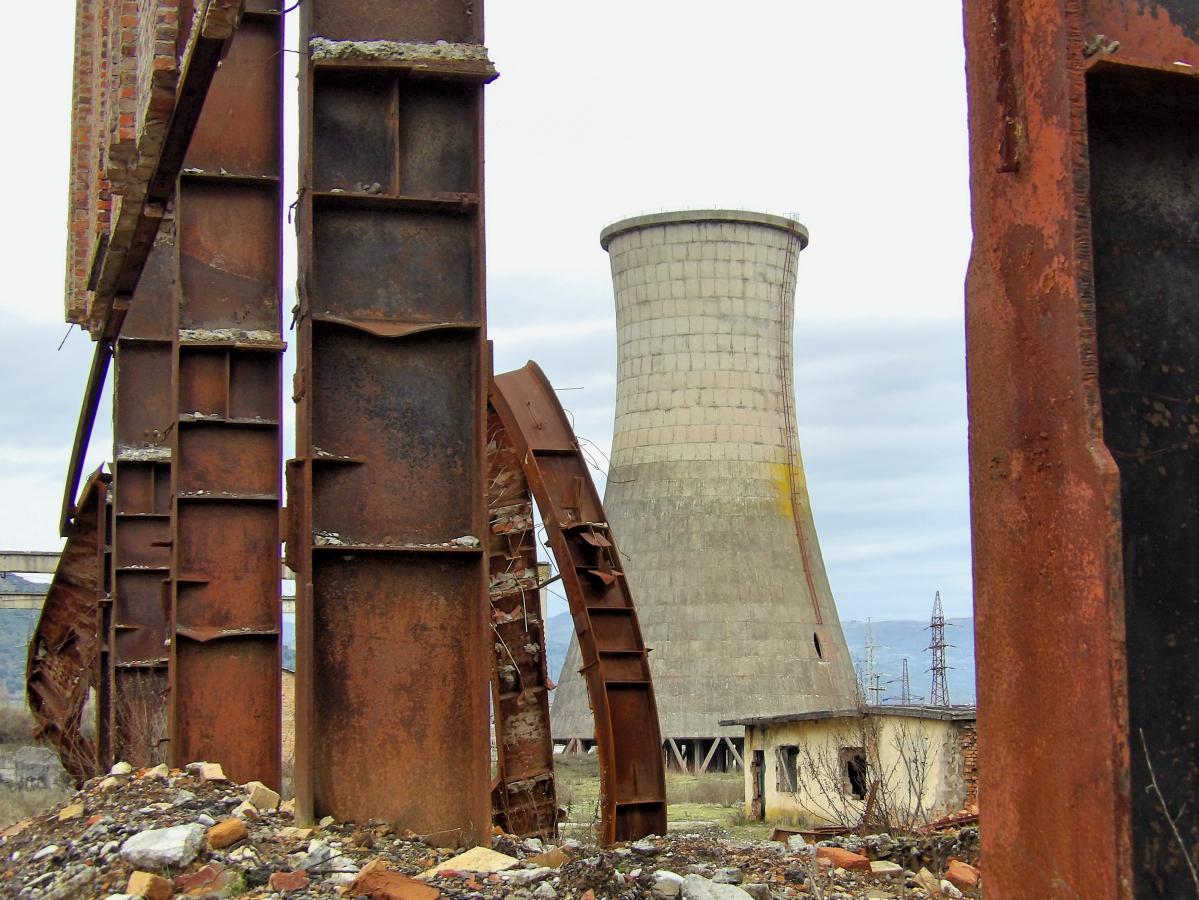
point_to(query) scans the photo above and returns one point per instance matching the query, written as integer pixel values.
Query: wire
(291, 8)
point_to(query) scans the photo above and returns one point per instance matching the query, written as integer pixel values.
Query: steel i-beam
(132, 724)
(225, 608)
(1083, 377)
(387, 496)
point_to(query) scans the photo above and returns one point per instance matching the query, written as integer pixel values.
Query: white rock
(476, 859)
(696, 887)
(545, 891)
(796, 842)
(159, 848)
(261, 796)
(528, 876)
(949, 890)
(160, 771)
(48, 850)
(667, 884)
(121, 768)
(883, 869)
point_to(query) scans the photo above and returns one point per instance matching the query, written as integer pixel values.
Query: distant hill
(893, 640)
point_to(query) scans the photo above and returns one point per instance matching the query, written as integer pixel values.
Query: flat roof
(677, 217)
(942, 713)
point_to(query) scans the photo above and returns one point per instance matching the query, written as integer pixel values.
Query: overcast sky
(850, 116)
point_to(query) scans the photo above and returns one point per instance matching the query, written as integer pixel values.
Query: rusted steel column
(225, 598)
(388, 496)
(65, 647)
(132, 719)
(524, 800)
(1083, 374)
(615, 660)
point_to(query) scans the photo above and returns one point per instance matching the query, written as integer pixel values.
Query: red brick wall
(968, 738)
(126, 69)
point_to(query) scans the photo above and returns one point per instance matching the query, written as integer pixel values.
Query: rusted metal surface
(1082, 372)
(225, 612)
(615, 660)
(64, 651)
(387, 495)
(131, 721)
(118, 258)
(524, 800)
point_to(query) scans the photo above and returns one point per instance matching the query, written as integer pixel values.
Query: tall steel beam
(132, 726)
(225, 614)
(1083, 379)
(135, 113)
(387, 496)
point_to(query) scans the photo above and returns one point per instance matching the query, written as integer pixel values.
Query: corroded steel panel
(615, 659)
(524, 799)
(225, 608)
(132, 725)
(65, 649)
(387, 497)
(1081, 373)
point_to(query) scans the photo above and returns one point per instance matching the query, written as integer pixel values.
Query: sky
(850, 116)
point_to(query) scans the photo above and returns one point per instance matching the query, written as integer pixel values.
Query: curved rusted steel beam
(524, 801)
(65, 649)
(615, 659)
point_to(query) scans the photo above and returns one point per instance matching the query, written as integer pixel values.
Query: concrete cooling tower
(706, 492)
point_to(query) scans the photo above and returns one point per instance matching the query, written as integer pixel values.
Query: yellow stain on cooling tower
(790, 488)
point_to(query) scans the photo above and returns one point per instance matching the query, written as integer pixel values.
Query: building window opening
(786, 763)
(816, 643)
(853, 762)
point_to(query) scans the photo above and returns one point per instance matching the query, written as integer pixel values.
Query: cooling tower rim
(694, 216)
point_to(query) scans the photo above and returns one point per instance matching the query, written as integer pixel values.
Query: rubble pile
(166, 833)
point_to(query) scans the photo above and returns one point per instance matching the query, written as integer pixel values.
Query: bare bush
(16, 725)
(893, 795)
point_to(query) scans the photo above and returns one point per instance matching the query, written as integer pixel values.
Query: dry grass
(16, 725)
(20, 803)
(715, 797)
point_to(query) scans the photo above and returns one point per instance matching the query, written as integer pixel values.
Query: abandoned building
(706, 489)
(895, 767)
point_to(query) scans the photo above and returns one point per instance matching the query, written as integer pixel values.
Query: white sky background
(851, 116)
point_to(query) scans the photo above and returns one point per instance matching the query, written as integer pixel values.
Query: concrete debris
(260, 796)
(151, 823)
(696, 887)
(476, 859)
(320, 48)
(160, 848)
(121, 768)
(227, 335)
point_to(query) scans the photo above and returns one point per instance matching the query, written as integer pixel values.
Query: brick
(150, 886)
(226, 832)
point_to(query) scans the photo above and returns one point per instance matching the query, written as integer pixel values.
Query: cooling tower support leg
(387, 498)
(615, 661)
(225, 608)
(64, 651)
(1083, 379)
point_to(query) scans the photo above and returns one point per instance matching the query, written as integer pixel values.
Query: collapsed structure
(167, 599)
(706, 487)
